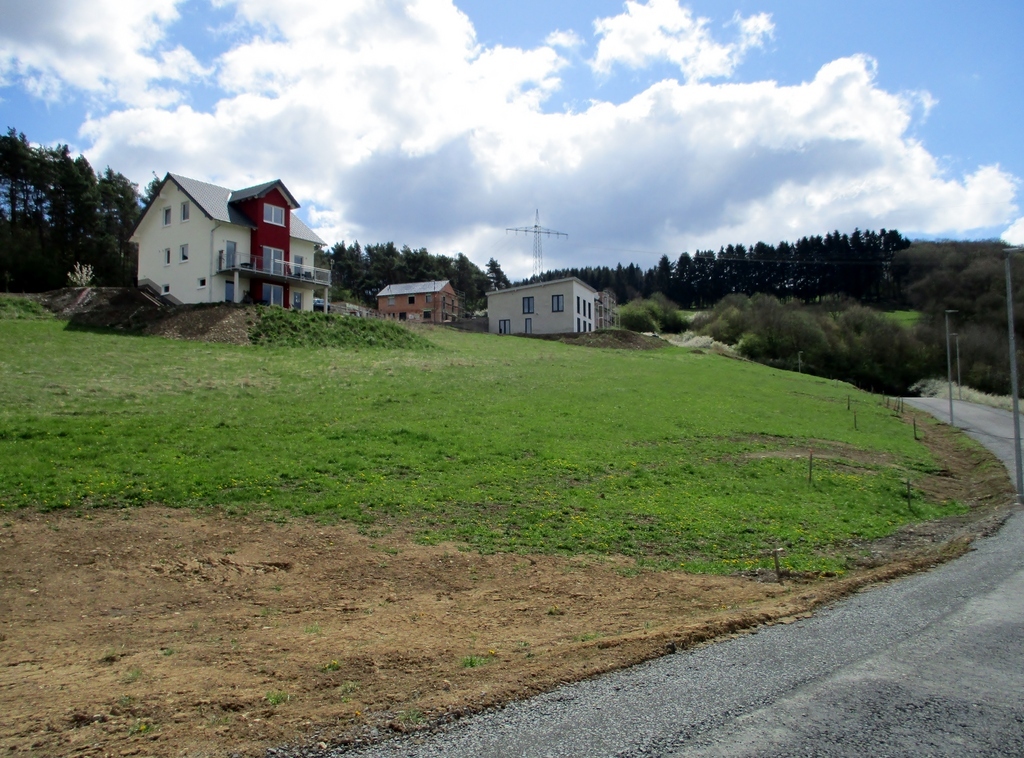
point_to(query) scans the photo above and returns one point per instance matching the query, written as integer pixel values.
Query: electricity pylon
(537, 230)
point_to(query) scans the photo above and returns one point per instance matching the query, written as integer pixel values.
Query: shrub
(636, 318)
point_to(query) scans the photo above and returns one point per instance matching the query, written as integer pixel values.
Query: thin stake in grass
(810, 466)
(855, 421)
(915, 428)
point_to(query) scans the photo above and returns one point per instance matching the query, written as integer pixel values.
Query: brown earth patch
(175, 633)
(618, 339)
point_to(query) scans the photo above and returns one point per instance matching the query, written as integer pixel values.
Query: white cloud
(1014, 235)
(108, 48)
(569, 40)
(390, 121)
(662, 30)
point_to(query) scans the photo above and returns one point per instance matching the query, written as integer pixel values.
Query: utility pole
(949, 367)
(537, 230)
(959, 383)
(1013, 377)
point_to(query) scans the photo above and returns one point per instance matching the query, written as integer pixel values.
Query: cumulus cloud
(1014, 235)
(106, 48)
(662, 30)
(390, 121)
(569, 39)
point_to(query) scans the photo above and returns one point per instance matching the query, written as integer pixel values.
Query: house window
(505, 326)
(167, 256)
(577, 306)
(184, 210)
(430, 297)
(202, 282)
(528, 326)
(577, 323)
(166, 289)
(527, 305)
(274, 294)
(167, 217)
(391, 299)
(273, 214)
(401, 316)
(557, 303)
(412, 300)
(297, 301)
(590, 310)
(183, 252)
(273, 260)
(427, 315)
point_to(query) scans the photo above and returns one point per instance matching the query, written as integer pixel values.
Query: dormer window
(273, 214)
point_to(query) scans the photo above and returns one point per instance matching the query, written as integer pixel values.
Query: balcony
(273, 269)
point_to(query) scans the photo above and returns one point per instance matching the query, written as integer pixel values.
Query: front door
(229, 292)
(274, 293)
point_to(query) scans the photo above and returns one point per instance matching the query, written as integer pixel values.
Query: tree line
(861, 265)
(359, 272)
(55, 211)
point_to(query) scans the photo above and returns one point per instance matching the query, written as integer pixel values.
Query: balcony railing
(273, 267)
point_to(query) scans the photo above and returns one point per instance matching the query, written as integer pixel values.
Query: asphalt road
(930, 665)
(992, 427)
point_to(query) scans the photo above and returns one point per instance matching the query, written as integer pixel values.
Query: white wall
(183, 277)
(508, 304)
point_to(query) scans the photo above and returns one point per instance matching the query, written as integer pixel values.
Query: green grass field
(904, 318)
(499, 443)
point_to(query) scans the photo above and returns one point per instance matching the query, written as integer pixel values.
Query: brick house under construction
(428, 302)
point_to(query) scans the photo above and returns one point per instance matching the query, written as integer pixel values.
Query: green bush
(21, 307)
(656, 314)
(840, 339)
(278, 327)
(635, 317)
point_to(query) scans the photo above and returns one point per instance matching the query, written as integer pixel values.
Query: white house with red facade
(200, 243)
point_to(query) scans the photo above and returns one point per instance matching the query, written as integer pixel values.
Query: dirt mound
(131, 310)
(206, 323)
(122, 308)
(618, 339)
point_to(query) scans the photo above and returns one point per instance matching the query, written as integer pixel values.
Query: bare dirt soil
(174, 633)
(620, 339)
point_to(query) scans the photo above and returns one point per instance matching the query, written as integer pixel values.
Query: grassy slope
(505, 443)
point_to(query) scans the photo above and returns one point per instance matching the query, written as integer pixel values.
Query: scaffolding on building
(607, 316)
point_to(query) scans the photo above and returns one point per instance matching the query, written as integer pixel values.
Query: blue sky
(639, 128)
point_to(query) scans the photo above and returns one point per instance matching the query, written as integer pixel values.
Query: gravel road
(932, 664)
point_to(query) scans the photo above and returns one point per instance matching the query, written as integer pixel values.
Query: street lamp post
(959, 384)
(1013, 375)
(949, 366)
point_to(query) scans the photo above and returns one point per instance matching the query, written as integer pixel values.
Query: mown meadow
(675, 457)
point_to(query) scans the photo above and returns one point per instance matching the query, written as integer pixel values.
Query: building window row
(186, 211)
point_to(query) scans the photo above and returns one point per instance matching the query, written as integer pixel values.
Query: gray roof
(212, 200)
(217, 203)
(535, 285)
(412, 288)
(261, 189)
(302, 232)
